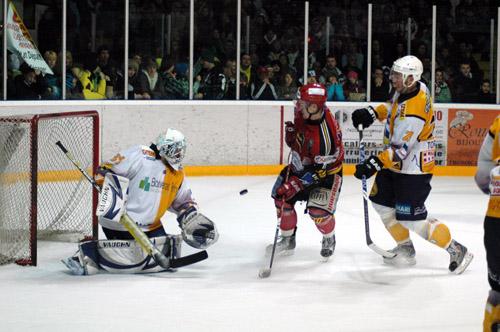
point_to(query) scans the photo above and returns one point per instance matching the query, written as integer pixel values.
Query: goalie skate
(73, 264)
(460, 257)
(284, 247)
(405, 255)
(327, 246)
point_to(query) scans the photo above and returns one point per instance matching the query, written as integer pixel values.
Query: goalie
(142, 183)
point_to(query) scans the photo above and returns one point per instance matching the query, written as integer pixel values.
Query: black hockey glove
(371, 166)
(364, 117)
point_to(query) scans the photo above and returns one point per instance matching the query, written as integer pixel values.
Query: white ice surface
(354, 291)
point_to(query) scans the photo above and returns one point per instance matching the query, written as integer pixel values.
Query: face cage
(404, 77)
(174, 153)
(300, 103)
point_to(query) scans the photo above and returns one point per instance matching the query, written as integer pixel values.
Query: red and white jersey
(154, 187)
(319, 142)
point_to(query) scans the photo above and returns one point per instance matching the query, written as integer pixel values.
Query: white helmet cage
(408, 66)
(172, 147)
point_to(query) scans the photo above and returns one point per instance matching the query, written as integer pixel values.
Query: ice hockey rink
(353, 291)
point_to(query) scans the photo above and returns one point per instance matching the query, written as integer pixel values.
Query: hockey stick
(266, 272)
(138, 233)
(369, 241)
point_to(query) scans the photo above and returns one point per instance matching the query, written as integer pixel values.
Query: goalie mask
(408, 66)
(172, 147)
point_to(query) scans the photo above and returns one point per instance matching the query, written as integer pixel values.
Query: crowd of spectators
(272, 61)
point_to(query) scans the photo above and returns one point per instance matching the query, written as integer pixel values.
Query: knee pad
(492, 312)
(288, 217)
(430, 229)
(388, 215)
(325, 222)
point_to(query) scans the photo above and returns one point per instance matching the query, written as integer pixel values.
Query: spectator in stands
(134, 91)
(108, 67)
(246, 67)
(353, 90)
(211, 85)
(29, 85)
(335, 91)
(91, 84)
(442, 93)
(262, 88)
(331, 68)
(53, 81)
(288, 87)
(353, 58)
(229, 72)
(151, 83)
(352, 66)
(381, 87)
(484, 95)
(466, 84)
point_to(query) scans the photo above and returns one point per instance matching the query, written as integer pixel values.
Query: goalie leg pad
(288, 218)
(325, 222)
(125, 256)
(112, 199)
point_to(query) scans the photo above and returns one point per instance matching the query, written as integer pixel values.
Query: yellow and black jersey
(408, 133)
(488, 168)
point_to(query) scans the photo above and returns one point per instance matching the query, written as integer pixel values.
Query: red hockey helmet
(313, 93)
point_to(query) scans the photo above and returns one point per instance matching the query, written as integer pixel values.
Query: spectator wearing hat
(262, 88)
(211, 84)
(29, 85)
(175, 80)
(353, 89)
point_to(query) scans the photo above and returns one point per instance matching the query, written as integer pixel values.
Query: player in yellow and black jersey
(488, 180)
(404, 167)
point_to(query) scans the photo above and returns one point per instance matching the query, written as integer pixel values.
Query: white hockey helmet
(172, 147)
(408, 66)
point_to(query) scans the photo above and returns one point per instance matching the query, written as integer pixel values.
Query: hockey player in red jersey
(315, 174)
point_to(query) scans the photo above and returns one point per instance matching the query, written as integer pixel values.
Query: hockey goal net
(42, 195)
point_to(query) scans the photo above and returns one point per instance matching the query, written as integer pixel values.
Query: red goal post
(42, 195)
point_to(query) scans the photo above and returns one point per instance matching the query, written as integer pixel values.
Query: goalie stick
(369, 242)
(138, 233)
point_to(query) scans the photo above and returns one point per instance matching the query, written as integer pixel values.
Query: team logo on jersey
(154, 185)
(145, 184)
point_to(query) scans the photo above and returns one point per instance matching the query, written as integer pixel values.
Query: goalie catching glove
(197, 230)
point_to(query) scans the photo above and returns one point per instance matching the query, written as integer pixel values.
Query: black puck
(244, 192)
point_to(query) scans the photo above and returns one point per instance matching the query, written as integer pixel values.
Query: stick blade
(264, 273)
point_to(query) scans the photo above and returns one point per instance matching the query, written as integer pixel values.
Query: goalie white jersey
(154, 187)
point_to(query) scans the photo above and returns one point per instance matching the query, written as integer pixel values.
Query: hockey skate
(405, 255)
(284, 247)
(460, 257)
(327, 246)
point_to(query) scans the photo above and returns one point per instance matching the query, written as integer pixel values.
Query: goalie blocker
(127, 256)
